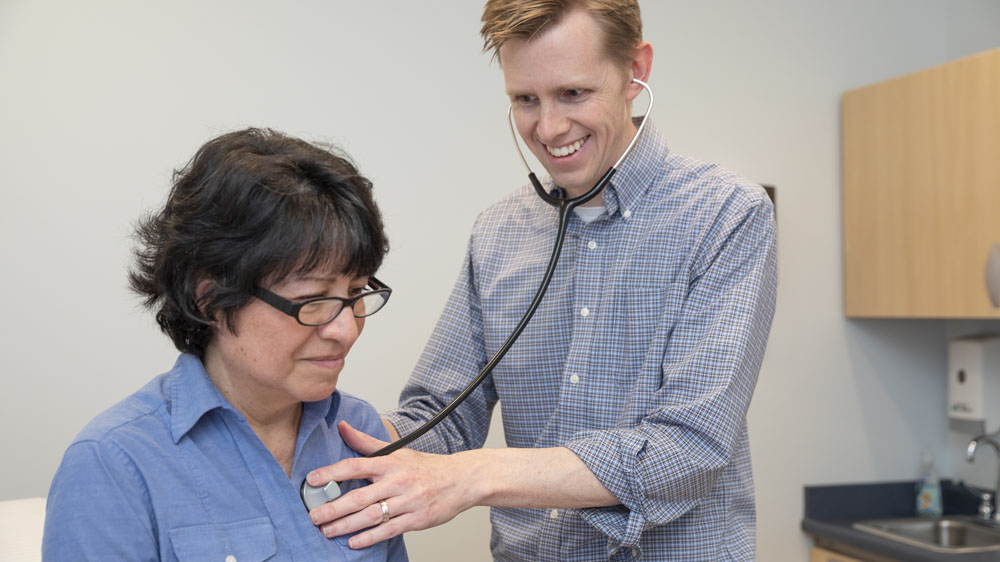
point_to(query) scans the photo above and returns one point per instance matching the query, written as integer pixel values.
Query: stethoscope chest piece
(315, 496)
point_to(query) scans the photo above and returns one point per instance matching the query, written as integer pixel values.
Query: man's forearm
(532, 478)
(511, 477)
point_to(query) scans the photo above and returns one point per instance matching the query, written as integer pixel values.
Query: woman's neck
(275, 424)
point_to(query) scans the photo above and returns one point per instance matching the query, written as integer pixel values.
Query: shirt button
(230, 558)
(635, 552)
(554, 514)
(627, 213)
(574, 379)
(585, 312)
(592, 245)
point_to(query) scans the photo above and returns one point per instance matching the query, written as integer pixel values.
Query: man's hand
(421, 490)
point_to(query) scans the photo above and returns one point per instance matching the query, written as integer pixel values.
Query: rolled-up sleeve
(662, 466)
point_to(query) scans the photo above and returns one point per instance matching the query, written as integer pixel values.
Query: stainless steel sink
(954, 534)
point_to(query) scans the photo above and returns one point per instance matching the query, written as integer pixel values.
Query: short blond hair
(523, 19)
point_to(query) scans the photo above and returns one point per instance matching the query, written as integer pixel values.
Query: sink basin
(954, 534)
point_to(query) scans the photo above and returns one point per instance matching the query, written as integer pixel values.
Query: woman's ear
(201, 293)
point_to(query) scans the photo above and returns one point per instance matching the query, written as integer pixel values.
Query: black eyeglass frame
(292, 308)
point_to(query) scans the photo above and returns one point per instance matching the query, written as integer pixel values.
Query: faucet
(970, 454)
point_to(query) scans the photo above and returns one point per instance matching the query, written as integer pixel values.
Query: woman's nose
(344, 328)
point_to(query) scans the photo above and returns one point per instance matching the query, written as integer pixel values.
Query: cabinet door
(921, 173)
(818, 554)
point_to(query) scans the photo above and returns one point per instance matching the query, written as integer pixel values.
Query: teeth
(561, 151)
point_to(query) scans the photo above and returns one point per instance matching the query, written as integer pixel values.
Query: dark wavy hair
(252, 207)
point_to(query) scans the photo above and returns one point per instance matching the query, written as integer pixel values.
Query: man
(624, 401)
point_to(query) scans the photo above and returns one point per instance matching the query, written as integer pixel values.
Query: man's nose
(552, 124)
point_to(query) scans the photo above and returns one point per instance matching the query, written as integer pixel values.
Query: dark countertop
(830, 512)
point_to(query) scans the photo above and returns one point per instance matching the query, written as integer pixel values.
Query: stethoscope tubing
(313, 496)
(565, 209)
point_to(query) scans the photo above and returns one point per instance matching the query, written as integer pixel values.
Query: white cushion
(21, 523)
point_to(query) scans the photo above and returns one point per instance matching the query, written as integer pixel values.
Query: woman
(260, 266)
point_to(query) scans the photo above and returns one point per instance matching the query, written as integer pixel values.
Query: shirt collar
(637, 172)
(193, 394)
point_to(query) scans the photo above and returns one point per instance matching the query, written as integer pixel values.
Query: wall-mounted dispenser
(974, 380)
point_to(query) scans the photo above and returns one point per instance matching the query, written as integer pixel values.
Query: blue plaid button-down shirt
(641, 359)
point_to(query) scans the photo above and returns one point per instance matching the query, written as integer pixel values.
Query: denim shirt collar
(192, 394)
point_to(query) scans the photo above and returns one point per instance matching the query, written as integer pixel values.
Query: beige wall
(100, 100)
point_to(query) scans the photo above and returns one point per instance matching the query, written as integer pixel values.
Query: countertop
(830, 512)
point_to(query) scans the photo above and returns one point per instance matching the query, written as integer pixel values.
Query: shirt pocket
(250, 540)
(635, 339)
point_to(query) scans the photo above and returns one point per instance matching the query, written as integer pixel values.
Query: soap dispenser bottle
(928, 488)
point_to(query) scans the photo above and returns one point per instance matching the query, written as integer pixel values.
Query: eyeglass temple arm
(288, 307)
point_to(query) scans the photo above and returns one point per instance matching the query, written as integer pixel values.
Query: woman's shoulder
(138, 409)
(360, 414)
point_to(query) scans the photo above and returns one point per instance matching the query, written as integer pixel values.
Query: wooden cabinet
(921, 176)
(818, 554)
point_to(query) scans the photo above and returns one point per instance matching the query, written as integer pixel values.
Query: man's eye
(573, 92)
(524, 99)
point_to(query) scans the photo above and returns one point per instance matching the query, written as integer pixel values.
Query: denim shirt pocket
(250, 540)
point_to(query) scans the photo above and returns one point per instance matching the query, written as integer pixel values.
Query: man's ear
(642, 64)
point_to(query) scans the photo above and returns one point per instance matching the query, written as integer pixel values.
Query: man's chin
(574, 187)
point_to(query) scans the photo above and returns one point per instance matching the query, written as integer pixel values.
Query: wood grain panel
(921, 173)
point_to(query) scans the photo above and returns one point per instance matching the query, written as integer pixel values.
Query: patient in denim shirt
(260, 267)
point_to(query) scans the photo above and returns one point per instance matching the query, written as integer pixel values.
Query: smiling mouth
(564, 151)
(327, 360)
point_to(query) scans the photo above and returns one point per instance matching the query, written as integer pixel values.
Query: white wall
(100, 100)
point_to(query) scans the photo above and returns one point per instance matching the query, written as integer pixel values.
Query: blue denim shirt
(174, 472)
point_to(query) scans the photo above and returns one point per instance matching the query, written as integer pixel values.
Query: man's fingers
(385, 531)
(361, 442)
(352, 468)
(355, 468)
(349, 505)
(364, 518)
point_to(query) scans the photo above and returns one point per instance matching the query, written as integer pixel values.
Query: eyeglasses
(316, 312)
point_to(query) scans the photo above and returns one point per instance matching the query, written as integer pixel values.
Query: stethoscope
(314, 496)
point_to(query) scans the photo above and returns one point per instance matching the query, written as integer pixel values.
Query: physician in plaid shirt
(624, 401)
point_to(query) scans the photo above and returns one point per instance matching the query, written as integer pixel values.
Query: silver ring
(385, 511)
